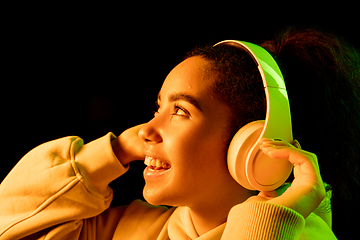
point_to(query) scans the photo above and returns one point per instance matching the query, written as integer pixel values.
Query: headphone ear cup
(239, 148)
(264, 173)
(249, 166)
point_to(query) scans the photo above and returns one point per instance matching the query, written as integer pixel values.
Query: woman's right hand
(128, 146)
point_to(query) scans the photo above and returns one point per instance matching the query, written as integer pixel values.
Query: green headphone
(246, 162)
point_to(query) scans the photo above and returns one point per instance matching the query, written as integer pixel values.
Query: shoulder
(316, 228)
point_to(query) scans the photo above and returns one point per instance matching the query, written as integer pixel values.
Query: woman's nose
(149, 133)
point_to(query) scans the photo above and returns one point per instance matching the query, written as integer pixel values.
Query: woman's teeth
(156, 163)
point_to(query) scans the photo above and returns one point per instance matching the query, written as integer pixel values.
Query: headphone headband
(278, 119)
(278, 115)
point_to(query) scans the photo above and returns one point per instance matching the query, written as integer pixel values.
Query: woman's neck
(205, 221)
(213, 212)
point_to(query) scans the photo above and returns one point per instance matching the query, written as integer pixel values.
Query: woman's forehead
(190, 76)
(190, 81)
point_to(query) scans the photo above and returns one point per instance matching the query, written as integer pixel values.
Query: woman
(59, 190)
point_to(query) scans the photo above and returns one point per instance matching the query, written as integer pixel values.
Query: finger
(274, 142)
(306, 161)
(296, 144)
(294, 155)
(268, 194)
(285, 150)
(279, 142)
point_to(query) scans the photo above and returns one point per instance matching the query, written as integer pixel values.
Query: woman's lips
(155, 168)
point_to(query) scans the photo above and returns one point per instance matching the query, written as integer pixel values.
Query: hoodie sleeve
(261, 220)
(58, 184)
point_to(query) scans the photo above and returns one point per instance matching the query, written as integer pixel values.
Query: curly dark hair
(236, 81)
(322, 75)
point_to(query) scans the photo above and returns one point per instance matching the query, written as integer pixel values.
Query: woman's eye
(179, 111)
(176, 111)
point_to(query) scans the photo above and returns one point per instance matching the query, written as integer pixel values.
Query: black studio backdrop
(87, 73)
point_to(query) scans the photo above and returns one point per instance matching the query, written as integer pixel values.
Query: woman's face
(187, 136)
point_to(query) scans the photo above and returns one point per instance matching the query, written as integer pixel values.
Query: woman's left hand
(307, 190)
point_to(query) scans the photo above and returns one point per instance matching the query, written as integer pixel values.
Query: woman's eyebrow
(184, 97)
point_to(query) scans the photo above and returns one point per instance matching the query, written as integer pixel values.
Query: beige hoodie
(59, 190)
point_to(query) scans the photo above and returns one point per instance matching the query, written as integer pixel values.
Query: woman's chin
(152, 195)
(157, 196)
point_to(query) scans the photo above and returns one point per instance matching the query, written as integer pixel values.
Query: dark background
(86, 70)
